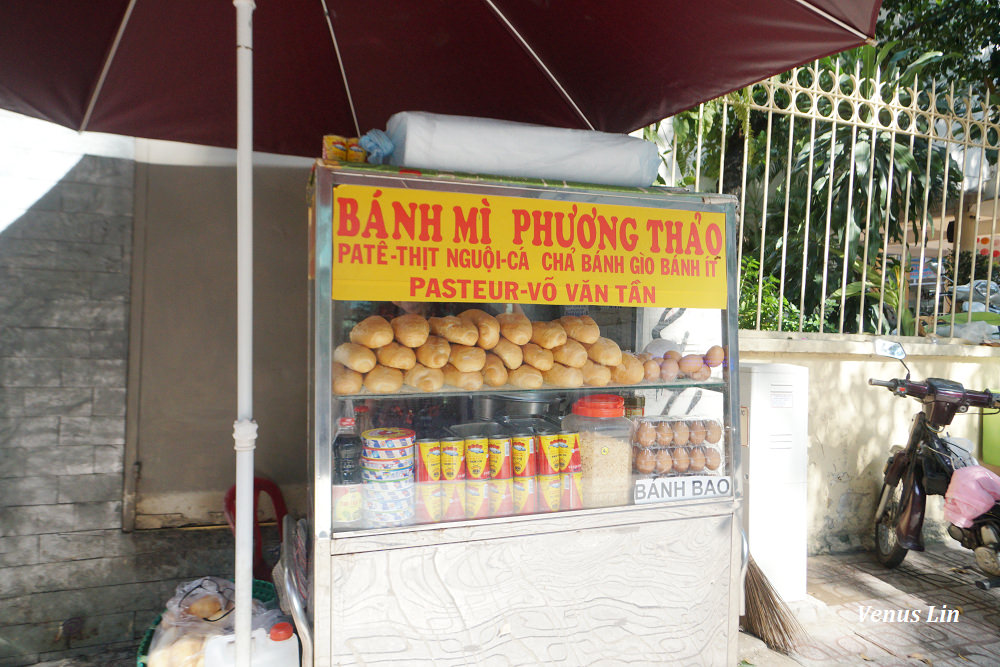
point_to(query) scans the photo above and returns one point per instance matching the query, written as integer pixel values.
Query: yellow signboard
(394, 244)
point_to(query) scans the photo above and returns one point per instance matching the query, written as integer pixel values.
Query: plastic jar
(605, 449)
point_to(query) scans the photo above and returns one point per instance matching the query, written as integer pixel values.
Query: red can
(430, 502)
(500, 463)
(452, 459)
(522, 454)
(569, 456)
(477, 499)
(525, 489)
(549, 494)
(549, 458)
(428, 460)
(453, 500)
(572, 496)
(501, 497)
(477, 458)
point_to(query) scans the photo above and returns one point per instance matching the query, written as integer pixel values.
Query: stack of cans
(387, 472)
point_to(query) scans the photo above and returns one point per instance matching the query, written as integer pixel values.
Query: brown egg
(645, 462)
(644, 357)
(714, 356)
(702, 374)
(680, 433)
(712, 458)
(672, 354)
(682, 460)
(697, 459)
(713, 432)
(668, 370)
(652, 370)
(696, 432)
(664, 462)
(690, 364)
(664, 434)
(645, 435)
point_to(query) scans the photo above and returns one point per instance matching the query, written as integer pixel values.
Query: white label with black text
(680, 488)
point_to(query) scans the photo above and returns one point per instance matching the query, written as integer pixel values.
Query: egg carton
(690, 445)
(663, 431)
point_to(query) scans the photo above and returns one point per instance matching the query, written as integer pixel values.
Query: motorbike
(924, 467)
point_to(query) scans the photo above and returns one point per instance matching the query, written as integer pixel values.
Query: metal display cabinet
(655, 579)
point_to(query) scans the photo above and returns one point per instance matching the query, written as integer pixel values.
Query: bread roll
(454, 330)
(487, 325)
(384, 380)
(434, 353)
(563, 376)
(629, 371)
(595, 375)
(372, 332)
(411, 329)
(605, 351)
(356, 357)
(395, 355)
(346, 381)
(570, 353)
(537, 356)
(547, 334)
(467, 359)
(525, 376)
(583, 328)
(511, 354)
(494, 371)
(515, 327)
(467, 381)
(423, 378)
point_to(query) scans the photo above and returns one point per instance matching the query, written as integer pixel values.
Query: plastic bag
(972, 491)
(199, 610)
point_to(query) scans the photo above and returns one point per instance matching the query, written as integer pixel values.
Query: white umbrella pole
(245, 429)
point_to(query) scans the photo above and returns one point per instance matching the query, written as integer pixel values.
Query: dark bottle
(347, 453)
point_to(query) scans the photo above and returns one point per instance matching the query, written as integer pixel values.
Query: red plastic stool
(260, 485)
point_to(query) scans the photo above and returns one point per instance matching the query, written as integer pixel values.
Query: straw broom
(767, 616)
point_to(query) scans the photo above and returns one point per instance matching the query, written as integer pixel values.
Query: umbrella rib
(92, 102)
(833, 19)
(340, 64)
(538, 61)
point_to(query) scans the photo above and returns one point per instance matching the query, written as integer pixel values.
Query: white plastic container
(276, 648)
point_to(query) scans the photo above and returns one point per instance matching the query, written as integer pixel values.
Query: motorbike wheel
(887, 547)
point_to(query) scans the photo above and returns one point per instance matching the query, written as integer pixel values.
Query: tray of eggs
(664, 446)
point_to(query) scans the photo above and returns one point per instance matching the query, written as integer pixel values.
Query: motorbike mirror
(892, 349)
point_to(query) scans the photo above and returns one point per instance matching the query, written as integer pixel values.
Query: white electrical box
(774, 410)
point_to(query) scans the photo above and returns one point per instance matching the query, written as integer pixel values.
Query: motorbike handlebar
(899, 387)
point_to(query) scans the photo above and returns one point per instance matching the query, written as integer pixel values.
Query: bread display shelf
(408, 392)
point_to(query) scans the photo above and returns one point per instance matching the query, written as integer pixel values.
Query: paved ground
(845, 591)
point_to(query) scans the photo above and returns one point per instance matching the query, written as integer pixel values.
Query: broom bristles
(767, 616)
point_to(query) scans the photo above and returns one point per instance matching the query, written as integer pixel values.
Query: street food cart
(497, 498)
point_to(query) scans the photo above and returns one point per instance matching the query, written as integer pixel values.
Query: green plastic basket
(262, 591)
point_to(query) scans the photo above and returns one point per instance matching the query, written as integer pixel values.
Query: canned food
(428, 460)
(430, 502)
(572, 495)
(547, 458)
(386, 485)
(452, 459)
(368, 475)
(388, 438)
(387, 464)
(501, 493)
(399, 505)
(477, 458)
(549, 493)
(569, 455)
(377, 519)
(356, 153)
(387, 453)
(500, 463)
(477, 500)
(388, 496)
(524, 495)
(453, 500)
(334, 147)
(346, 504)
(522, 454)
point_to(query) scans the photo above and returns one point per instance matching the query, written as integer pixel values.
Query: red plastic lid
(281, 631)
(347, 421)
(600, 405)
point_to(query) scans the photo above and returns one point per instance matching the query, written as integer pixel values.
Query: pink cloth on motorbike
(972, 491)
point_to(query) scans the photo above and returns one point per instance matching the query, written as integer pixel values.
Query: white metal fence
(867, 198)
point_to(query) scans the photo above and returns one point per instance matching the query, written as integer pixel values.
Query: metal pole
(245, 429)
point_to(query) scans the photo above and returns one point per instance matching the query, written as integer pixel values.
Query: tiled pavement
(844, 587)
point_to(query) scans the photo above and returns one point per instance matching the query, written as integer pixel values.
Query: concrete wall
(853, 425)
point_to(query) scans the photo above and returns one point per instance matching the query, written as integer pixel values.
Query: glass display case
(521, 399)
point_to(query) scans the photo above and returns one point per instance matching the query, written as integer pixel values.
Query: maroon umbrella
(165, 69)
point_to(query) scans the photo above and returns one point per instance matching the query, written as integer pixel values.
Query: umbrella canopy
(165, 69)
